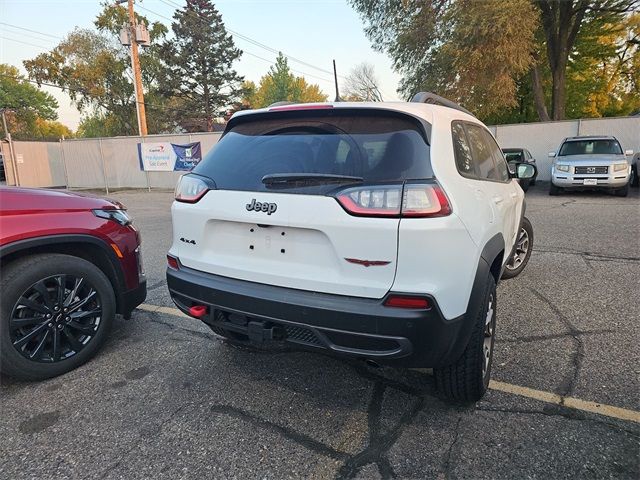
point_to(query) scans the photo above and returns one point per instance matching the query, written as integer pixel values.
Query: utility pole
(14, 164)
(137, 76)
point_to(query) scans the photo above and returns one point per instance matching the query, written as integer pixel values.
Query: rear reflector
(401, 301)
(198, 311)
(173, 262)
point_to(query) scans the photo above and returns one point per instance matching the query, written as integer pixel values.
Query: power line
(270, 62)
(32, 31)
(25, 43)
(262, 45)
(80, 90)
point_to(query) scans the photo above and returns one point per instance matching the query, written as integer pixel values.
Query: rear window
(590, 147)
(513, 156)
(376, 145)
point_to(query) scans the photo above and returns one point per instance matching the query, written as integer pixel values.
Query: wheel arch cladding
(493, 255)
(87, 247)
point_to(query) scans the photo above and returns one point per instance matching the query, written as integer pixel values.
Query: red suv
(69, 263)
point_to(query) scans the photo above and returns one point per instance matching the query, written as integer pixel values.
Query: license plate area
(267, 239)
(590, 181)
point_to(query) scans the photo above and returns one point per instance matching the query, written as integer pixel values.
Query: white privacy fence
(112, 163)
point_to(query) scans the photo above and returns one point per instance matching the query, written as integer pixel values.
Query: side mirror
(628, 152)
(525, 170)
(512, 169)
(552, 154)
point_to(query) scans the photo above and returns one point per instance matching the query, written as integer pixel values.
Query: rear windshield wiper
(307, 178)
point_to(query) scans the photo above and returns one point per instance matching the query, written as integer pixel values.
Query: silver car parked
(593, 162)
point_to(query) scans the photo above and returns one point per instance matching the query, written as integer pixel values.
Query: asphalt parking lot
(168, 399)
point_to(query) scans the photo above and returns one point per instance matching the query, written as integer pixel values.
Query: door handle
(514, 194)
(497, 199)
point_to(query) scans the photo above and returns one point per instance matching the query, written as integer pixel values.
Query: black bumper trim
(344, 325)
(132, 298)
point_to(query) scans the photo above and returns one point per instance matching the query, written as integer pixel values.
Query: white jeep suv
(371, 230)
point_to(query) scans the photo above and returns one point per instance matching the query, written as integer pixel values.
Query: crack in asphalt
(589, 256)
(554, 336)
(568, 384)
(447, 464)
(379, 444)
(288, 433)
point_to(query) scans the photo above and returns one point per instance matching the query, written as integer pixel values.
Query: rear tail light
(409, 200)
(372, 201)
(173, 262)
(406, 301)
(190, 189)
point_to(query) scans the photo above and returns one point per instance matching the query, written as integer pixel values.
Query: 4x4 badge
(268, 208)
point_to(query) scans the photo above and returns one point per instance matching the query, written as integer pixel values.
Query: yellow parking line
(541, 395)
(158, 309)
(569, 402)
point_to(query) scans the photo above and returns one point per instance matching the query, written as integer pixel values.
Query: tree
(28, 108)
(198, 65)
(601, 72)
(470, 51)
(50, 130)
(561, 22)
(95, 70)
(361, 84)
(488, 55)
(281, 85)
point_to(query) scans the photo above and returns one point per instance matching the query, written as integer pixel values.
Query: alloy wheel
(55, 318)
(521, 250)
(489, 331)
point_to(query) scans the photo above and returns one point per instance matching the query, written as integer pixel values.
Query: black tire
(553, 190)
(78, 334)
(622, 192)
(524, 185)
(522, 251)
(467, 380)
(634, 181)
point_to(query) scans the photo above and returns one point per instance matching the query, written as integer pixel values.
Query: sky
(313, 31)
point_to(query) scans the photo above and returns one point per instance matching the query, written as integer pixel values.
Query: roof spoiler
(433, 99)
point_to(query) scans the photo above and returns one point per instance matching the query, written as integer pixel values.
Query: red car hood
(16, 200)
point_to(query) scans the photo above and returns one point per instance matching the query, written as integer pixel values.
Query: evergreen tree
(281, 85)
(198, 66)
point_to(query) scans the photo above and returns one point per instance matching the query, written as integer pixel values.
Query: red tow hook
(198, 311)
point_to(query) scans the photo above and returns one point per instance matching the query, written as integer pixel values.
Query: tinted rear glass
(591, 147)
(513, 156)
(376, 145)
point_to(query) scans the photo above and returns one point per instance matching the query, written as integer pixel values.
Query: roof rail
(433, 99)
(281, 103)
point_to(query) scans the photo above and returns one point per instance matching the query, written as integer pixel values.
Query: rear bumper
(341, 325)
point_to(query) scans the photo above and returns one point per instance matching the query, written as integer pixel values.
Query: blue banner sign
(169, 157)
